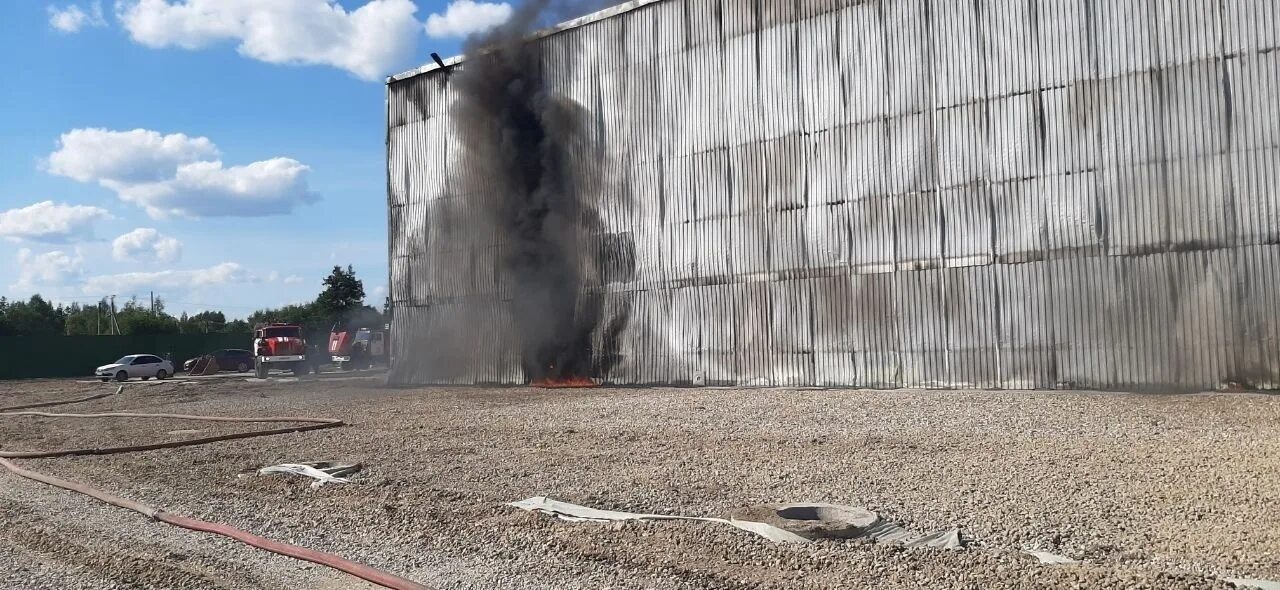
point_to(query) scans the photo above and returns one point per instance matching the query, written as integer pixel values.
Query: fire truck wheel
(260, 370)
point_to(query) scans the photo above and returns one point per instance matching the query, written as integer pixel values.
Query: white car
(145, 366)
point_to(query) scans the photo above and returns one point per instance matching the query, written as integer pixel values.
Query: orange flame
(563, 382)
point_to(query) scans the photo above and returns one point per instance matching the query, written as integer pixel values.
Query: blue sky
(222, 153)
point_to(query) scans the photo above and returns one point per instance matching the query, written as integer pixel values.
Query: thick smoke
(531, 166)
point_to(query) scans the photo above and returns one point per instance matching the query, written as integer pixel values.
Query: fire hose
(358, 570)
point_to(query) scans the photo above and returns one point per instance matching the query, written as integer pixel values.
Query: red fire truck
(357, 348)
(279, 346)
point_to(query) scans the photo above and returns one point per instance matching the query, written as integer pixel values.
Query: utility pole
(115, 326)
(153, 303)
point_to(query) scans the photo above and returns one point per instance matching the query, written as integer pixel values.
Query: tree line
(341, 301)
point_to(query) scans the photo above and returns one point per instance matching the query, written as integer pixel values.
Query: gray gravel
(1148, 491)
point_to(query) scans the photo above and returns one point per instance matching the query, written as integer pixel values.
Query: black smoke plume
(533, 167)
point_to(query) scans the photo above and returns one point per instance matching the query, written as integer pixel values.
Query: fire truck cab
(357, 349)
(279, 346)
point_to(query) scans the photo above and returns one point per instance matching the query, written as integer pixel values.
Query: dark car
(229, 359)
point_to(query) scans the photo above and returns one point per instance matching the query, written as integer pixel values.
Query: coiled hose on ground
(359, 570)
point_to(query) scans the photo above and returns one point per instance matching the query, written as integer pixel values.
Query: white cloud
(226, 273)
(126, 157)
(378, 294)
(50, 269)
(293, 280)
(73, 18)
(179, 175)
(369, 41)
(146, 244)
(47, 221)
(273, 276)
(466, 17)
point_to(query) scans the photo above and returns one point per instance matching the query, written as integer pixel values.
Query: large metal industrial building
(1024, 194)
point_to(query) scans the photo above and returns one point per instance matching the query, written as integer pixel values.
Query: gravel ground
(1148, 491)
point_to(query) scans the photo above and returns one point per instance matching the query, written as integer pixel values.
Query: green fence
(24, 357)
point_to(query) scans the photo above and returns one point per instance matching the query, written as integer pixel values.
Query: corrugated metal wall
(893, 193)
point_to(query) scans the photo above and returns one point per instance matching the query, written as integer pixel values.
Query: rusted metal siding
(894, 193)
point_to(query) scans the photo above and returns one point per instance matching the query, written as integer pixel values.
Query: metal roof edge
(541, 33)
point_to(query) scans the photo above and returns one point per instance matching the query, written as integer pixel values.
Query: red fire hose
(359, 570)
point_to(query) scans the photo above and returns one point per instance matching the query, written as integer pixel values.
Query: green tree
(301, 314)
(365, 317)
(5, 328)
(135, 323)
(341, 301)
(203, 322)
(212, 317)
(83, 320)
(343, 294)
(135, 319)
(33, 317)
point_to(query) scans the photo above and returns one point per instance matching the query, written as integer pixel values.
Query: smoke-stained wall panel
(1018, 212)
(874, 193)
(1256, 175)
(864, 161)
(1255, 83)
(963, 145)
(970, 308)
(967, 213)
(863, 55)
(826, 231)
(1258, 355)
(1195, 109)
(1074, 219)
(1252, 25)
(917, 221)
(1188, 31)
(1026, 342)
(1067, 125)
(742, 113)
(1132, 121)
(1011, 46)
(872, 235)
(912, 164)
(1016, 137)
(1080, 318)
(1199, 203)
(958, 77)
(1127, 36)
(820, 65)
(910, 50)
(1066, 41)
